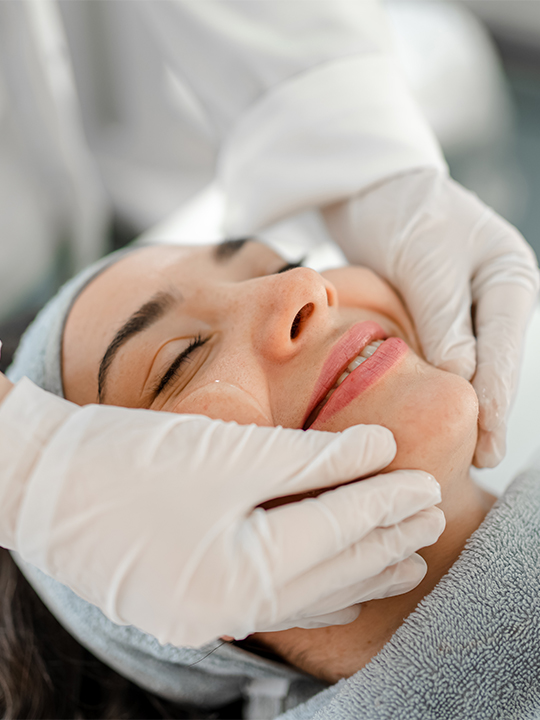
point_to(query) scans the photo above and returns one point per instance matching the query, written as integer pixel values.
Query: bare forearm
(5, 387)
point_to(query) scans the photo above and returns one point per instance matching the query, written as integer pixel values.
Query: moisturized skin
(260, 334)
(5, 387)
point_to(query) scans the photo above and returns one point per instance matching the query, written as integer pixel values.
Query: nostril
(301, 316)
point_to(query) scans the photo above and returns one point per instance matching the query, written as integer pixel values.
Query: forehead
(117, 292)
(124, 286)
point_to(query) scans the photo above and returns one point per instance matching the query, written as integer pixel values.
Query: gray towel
(471, 650)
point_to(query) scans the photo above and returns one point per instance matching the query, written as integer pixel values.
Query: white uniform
(161, 96)
(296, 107)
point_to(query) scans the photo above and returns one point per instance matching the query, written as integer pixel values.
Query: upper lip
(342, 354)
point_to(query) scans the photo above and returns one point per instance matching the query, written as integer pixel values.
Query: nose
(287, 310)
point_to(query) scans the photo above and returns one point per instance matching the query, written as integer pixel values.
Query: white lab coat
(289, 104)
(244, 90)
(294, 105)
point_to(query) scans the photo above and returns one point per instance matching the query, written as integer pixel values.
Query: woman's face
(224, 331)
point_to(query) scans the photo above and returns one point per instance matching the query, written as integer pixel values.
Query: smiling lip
(347, 348)
(343, 352)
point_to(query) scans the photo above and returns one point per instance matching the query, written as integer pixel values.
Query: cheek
(436, 422)
(360, 287)
(432, 414)
(222, 401)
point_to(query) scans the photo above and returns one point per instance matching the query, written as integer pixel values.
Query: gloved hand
(468, 278)
(153, 517)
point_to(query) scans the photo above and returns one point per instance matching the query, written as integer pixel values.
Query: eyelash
(291, 266)
(173, 371)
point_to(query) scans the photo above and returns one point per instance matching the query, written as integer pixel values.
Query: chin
(432, 413)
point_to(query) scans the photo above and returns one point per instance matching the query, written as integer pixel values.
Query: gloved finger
(394, 580)
(357, 565)
(278, 462)
(339, 519)
(337, 617)
(490, 447)
(441, 309)
(502, 314)
(504, 289)
(297, 462)
(501, 317)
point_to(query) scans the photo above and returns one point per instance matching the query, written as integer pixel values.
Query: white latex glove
(468, 277)
(153, 516)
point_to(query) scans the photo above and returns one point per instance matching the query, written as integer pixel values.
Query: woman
(242, 336)
(244, 341)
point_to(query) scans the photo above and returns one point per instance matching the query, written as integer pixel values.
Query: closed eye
(182, 358)
(175, 367)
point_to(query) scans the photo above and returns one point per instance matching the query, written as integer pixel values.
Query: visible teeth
(370, 349)
(358, 360)
(355, 363)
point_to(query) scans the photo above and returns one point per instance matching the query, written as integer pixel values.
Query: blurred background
(474, 66)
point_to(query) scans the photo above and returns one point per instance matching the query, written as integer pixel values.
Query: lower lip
(363, 377)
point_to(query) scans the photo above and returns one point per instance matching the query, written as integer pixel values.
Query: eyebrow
(226, 249)
(141, 320)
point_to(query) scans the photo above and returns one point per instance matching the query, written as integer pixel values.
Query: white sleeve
(307, 104)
